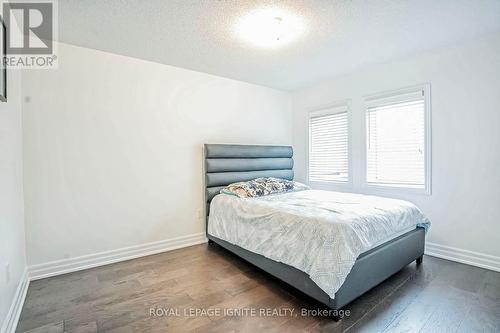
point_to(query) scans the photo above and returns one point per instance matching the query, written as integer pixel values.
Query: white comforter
(318, 232)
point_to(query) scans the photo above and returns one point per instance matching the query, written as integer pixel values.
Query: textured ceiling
(341, 35)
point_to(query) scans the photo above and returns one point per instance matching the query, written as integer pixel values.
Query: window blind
(396, 141)
(328, 145)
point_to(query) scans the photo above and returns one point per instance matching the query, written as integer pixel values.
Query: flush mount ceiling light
(269, 27)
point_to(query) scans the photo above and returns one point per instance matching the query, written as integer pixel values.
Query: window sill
(331, 185)
(396, 189)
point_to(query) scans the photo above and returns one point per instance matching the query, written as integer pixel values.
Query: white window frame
(389, 188)
(324, 110)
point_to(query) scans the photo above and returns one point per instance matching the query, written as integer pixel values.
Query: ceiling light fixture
(269, 27)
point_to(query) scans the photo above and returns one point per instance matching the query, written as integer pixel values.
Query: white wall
(12, 241)
(465, 88)
(112, 148)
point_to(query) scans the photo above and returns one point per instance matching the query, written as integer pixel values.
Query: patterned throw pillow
(263, 186)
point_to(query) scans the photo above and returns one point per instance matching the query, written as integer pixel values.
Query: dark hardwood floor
(438, 296)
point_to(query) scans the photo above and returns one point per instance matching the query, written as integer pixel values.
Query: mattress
(395, 235)
(321, 233)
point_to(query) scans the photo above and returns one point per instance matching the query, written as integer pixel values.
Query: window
(397, 128)
(328, 145)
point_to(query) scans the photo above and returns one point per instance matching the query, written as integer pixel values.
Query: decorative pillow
(263, 186)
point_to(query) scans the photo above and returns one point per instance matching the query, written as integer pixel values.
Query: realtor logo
(30, 33)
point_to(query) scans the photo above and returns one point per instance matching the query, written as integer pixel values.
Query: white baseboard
(463, 256)
(10, 322)
(63, 266)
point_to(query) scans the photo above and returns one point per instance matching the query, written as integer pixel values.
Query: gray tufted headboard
(226, 164)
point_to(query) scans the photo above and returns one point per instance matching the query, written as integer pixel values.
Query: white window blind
(328, 145)
(396, 140)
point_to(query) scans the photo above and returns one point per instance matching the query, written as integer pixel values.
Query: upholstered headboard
(226, 164)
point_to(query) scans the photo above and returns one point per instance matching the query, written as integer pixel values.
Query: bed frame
(226, 164)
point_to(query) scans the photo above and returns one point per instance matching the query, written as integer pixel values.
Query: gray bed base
(226, 164)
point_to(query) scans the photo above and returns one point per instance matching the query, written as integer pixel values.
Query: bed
(383, 256)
